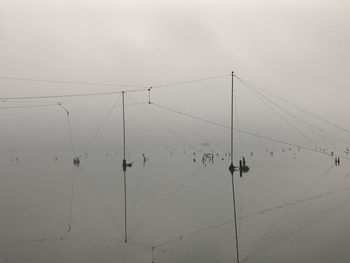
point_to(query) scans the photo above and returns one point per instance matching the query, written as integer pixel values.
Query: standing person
(144, 159)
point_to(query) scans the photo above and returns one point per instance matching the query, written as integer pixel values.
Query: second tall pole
(124, 172)
(232, 169)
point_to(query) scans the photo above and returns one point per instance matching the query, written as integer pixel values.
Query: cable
(71, 95)
(281, 117)
(189, 81)
(171, 130)
(106, 208)
(297, 107)
(313, 219)
(107, 107)
(74, 176)
(137, 89)
(133, 123)
(212, 227)
(71, 135)
(112, 84)
(196, 256)
(290, 206)
(165, 126)
(307, 124)
(71, 200)
(243, 131)
(28, 106)
(177, 123)
(179, 188)
(166, 251)
(301, 212)
(296, 202)
(69, 128)
(169, 197)
(41, 239)
(192, 234)
(70, 82)
(102, 124)
(236, 112)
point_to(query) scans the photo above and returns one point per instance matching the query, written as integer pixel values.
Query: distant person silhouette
(76, 161)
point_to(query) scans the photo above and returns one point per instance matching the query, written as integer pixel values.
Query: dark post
(232, 169)
(124, 171)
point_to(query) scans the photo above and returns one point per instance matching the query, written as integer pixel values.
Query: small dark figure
(76, 161)
(194, 160)
(144, 159)
(56, 159)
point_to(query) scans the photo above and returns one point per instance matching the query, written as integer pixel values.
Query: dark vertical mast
(232, 169)
(124, 171)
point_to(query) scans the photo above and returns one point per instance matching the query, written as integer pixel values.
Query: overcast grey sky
(294, 48)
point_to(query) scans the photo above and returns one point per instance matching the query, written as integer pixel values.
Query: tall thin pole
(232, 171)
(232, 120)
(124, 171)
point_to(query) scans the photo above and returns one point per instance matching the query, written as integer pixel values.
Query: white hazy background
(297, 50)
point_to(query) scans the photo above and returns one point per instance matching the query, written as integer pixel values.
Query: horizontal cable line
(197, 256)
(204, 229)
(29, 106)
(137, 88)
(72, 82)
(296, 202)
(264, 101)
(296, 106)
(70, 95)
(242, 131)
(189, 81)
(109, 107)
